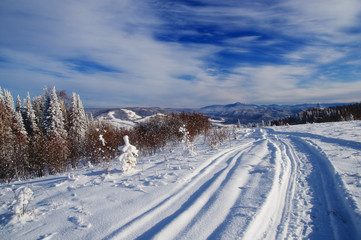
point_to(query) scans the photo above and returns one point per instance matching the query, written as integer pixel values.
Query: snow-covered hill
(124, 118)
(292, 182)
(226, 114)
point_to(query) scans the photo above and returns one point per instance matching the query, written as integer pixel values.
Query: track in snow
(271, 186)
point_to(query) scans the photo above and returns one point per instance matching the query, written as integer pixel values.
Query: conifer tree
(20, 151)
(30, 120)
(13, 140)
(36, 140)
(82, 116)
(38, 103)
(53, 120)
(77, 129)
(55, 134)
(6, 140)
(18, 107)
(9, 101)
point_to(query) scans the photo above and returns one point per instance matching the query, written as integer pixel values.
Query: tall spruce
(77, 129)
(30, 120)
(13, 140)
(20, 147)
(9, 101)
(53, 120)
(38, 103)
(78, 121)
(55, 133)
(6, 140)
(83, 118)
(36, 154)
(18, 107)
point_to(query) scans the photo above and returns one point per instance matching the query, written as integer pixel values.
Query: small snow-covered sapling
(22, 197)
(129, 155)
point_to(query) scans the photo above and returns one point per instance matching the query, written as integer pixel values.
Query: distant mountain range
(251, 113)
(228, 114)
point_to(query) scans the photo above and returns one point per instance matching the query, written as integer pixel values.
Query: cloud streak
(183, 53)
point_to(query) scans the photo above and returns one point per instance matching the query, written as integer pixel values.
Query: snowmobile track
(146, 217)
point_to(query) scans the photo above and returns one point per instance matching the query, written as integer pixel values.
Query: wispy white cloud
(316, 54)
(136, 52)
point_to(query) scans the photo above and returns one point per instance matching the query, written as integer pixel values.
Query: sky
(183, 53)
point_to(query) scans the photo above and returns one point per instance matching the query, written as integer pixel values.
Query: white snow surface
(297, 182)
(116, 121)
(132, 117)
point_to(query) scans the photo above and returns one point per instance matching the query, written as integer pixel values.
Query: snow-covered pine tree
(53, 119)
(6, 141)
(20, 147)
(77, 129)
(36, 141)
(65, 106)
(78, 121)
(18, 107)
(19, 124)
(30, 120)
(55, 133)
(83, 119)
(38, 103)
(9, 101)
(129, 155)
(13, 140)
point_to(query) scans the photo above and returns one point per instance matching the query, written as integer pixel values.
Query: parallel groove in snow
(334, 203)
(150, 212)
(275, 207)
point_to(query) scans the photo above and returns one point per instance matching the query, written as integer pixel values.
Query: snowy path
(271, 183)
(277, 188)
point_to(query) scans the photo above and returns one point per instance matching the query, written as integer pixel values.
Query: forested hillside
(51, 133)
(318, 115)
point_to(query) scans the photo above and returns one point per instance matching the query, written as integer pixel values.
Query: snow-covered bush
(217, 136)
(19, 207)
(187, 143)
(102, 140)
(129, 155)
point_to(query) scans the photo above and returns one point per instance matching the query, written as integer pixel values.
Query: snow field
(272, 183)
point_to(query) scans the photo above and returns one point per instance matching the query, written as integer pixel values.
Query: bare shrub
(217, 136)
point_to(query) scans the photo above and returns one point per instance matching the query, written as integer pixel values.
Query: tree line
(318, 115)
(51, 133)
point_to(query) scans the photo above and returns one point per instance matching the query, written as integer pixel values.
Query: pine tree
(54, 131)
(9, 101)
(18, 107)
(82, 116)
(36, 140)
(20, 157)
(6, 141)
(38, 106)
(13, 140)
(53, 120)
(77, 129)
(30, 120)
(78, 121)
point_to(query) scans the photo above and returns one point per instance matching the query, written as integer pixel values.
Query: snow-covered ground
(292, 182)
(130, 121)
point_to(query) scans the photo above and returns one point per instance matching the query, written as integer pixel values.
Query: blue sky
(178, 53)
